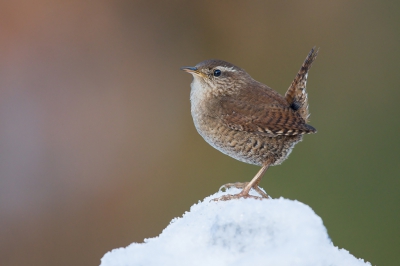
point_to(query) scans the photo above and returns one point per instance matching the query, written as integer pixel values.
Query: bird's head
(217, 76)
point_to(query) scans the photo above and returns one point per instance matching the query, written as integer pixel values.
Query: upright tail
(296, 95)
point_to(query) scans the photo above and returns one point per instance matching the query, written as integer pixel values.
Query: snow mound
(238, 232)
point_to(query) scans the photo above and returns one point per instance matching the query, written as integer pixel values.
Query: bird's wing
(259, 117)
(296, 95)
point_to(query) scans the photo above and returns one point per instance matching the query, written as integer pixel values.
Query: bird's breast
(200, 97)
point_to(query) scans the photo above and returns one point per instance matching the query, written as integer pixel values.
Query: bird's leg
(255, 181)
(247, 186)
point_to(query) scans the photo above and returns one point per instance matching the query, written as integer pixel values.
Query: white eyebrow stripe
(230, 69)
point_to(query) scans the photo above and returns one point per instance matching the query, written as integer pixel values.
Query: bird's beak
(192, 70)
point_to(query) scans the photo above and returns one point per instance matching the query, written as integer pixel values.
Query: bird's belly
(244, 146)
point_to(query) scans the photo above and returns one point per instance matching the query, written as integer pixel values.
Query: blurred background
(97, 144)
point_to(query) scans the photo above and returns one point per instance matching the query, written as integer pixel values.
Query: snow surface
(238, 232)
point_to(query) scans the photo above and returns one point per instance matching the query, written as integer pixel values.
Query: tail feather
(296, 95)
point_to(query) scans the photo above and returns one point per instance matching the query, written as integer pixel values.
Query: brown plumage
(246, 119)
(296, 95)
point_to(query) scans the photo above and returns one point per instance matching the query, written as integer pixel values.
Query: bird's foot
(242, 186)
(238, 196)
(236, 185)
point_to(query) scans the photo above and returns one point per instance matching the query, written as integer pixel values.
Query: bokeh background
(98, 149)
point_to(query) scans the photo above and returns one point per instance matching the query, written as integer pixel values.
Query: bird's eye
(217, 73)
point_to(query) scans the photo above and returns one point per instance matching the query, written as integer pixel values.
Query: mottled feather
(296, 95)
(266, 113)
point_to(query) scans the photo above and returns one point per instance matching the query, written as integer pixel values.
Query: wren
(246, 119)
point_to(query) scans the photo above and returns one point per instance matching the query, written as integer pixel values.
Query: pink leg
(256, 180)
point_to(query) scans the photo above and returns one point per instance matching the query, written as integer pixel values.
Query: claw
(237, 196)
(242, 194)
(246, 187)
(239, 185)
(235, 185)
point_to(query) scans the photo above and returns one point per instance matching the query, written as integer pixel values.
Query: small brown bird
(246, 119)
